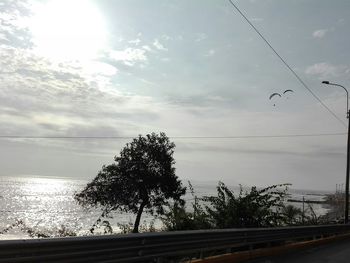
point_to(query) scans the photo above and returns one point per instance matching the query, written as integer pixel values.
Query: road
(334, 252)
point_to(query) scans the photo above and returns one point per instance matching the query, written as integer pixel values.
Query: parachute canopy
(287, 90)
(274, 94)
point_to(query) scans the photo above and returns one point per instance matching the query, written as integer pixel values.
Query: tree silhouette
(141, 179)
(254, 208)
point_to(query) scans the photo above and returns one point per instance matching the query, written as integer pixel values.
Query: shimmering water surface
(46, 203)
(41, 203)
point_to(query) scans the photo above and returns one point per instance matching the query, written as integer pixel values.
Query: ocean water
(45, 204)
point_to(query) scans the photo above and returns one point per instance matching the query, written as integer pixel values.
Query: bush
(254, 208)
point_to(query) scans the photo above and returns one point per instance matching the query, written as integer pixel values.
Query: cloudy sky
(187, 68)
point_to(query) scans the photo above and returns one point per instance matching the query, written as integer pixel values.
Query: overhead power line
(287, 65)
(261, 136)
(173, 137)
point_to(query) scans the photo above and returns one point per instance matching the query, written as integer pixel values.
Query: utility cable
(287, 65)
(175, 137)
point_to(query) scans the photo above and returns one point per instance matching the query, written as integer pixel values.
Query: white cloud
(14, 24)
(324, 69)
(97, 67)
(166, 37)
(45, 98)
(136, 41)
(3, 37)
(201, 36)
(129, 56)
(210, 53)
(75, 98)
(341, 21)
(159, 46)
(55, 120)
(319, 33)
(41, 98)
(145, 47)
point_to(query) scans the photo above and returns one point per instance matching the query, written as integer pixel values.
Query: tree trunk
(138, 218)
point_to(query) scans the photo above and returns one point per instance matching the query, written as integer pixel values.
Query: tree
(141, 179)
(256, 208)
(292, 215)
(177, 218)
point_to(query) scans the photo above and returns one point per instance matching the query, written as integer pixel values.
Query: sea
(47, 205)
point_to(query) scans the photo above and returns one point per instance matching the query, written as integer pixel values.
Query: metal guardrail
(153, 247)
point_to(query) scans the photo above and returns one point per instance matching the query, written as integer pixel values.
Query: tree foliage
(291, 215)
(141, 179)
(254, 208)
(178, 218)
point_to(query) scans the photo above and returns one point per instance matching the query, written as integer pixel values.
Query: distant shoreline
(306, 201)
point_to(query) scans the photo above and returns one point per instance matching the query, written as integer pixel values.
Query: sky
(192, 69)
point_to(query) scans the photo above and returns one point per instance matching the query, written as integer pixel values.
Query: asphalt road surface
(334, 252)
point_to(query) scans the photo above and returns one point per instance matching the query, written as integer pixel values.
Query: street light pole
(346, 217)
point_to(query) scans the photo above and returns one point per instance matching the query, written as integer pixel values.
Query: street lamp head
(325, 82)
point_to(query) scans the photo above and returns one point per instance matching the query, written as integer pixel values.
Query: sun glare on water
(40, 187)
(68, 30)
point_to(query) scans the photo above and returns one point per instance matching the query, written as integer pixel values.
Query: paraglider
(273, 95)
(287, 90)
